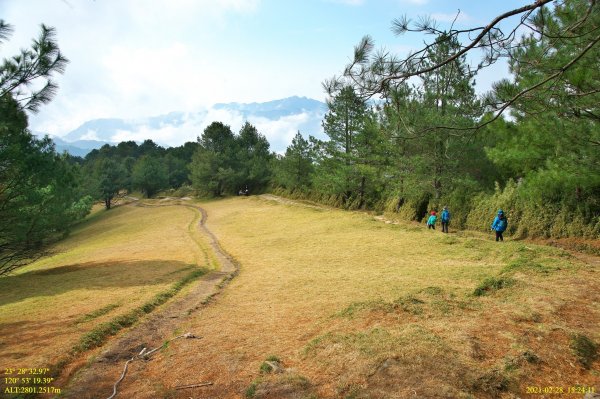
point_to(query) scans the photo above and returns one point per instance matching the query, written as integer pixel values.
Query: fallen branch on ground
(146, 355)
(202, 384)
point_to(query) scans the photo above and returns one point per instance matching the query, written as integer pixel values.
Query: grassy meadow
(356, 308)
(348, 305)
(114, 267)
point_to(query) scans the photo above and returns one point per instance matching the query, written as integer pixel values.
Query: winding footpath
(96, 380)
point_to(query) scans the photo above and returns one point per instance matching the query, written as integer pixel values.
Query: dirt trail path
(98, 378)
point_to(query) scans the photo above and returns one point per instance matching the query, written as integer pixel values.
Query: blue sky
(137, 58)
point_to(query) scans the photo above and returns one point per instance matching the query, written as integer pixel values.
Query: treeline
(219, 163)
(127, 166)
(428, 142)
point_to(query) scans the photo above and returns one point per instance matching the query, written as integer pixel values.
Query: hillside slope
(350, 307)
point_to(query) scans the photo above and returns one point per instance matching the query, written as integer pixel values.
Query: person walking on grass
(445, 219)
(499, 225)
(431, 221)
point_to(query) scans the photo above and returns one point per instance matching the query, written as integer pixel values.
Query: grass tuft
(272, 364)
(100, 333)
(273, 358)
(435, 291)
(514, 363)
(531, 357)
(375, 305)
(411, 304)
(492, 382)
(492, 284)
(449, 240)
(251, 390)
(265, 368)
(288, 385)
(524, 264)
(584, 349)
(426, 301)
(97, 313)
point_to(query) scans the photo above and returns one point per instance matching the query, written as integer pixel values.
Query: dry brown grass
(112, 264)
(353, 307)
(356, 308)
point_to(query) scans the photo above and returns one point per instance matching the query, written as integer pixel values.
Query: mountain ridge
(281, 118)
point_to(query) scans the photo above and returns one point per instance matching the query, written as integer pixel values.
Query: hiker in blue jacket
(445, 219)
(499, 225)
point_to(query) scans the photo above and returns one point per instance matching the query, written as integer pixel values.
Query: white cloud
(149, 78)
(279, 132)
(166, 134)
(233, 119)
(90, 135)
(129, 58)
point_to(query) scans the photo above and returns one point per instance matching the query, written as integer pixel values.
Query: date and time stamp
(19, 380)
(559, 390)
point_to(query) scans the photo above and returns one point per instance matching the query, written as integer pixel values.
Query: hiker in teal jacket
(499, 225)
(431, 221)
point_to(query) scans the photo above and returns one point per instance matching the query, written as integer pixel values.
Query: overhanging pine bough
(376, 73)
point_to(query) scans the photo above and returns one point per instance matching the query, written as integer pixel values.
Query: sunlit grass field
(111, 264)
(350, 306)
(356, 308)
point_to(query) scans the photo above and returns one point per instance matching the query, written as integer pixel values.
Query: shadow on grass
(90, 275)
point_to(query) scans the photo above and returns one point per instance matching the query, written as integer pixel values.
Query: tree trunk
(361, 201)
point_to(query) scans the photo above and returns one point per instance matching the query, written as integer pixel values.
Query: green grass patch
(265, 368)
(584, 349)
(411, 304)
(492, 284)
(97, 313)
(429, 300)
(100, 333)
(374, 305)
(449, 240)
(273, 358)
(474, 243)
(492, 382)
(286, 385)
(526, 264)
(373, 342)
(250, 392)
(271, 364)
(512, 364)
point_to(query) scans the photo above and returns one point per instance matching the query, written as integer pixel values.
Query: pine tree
(294, 171)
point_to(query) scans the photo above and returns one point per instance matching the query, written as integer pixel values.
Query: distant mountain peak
(174, 128)
(276, 109)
